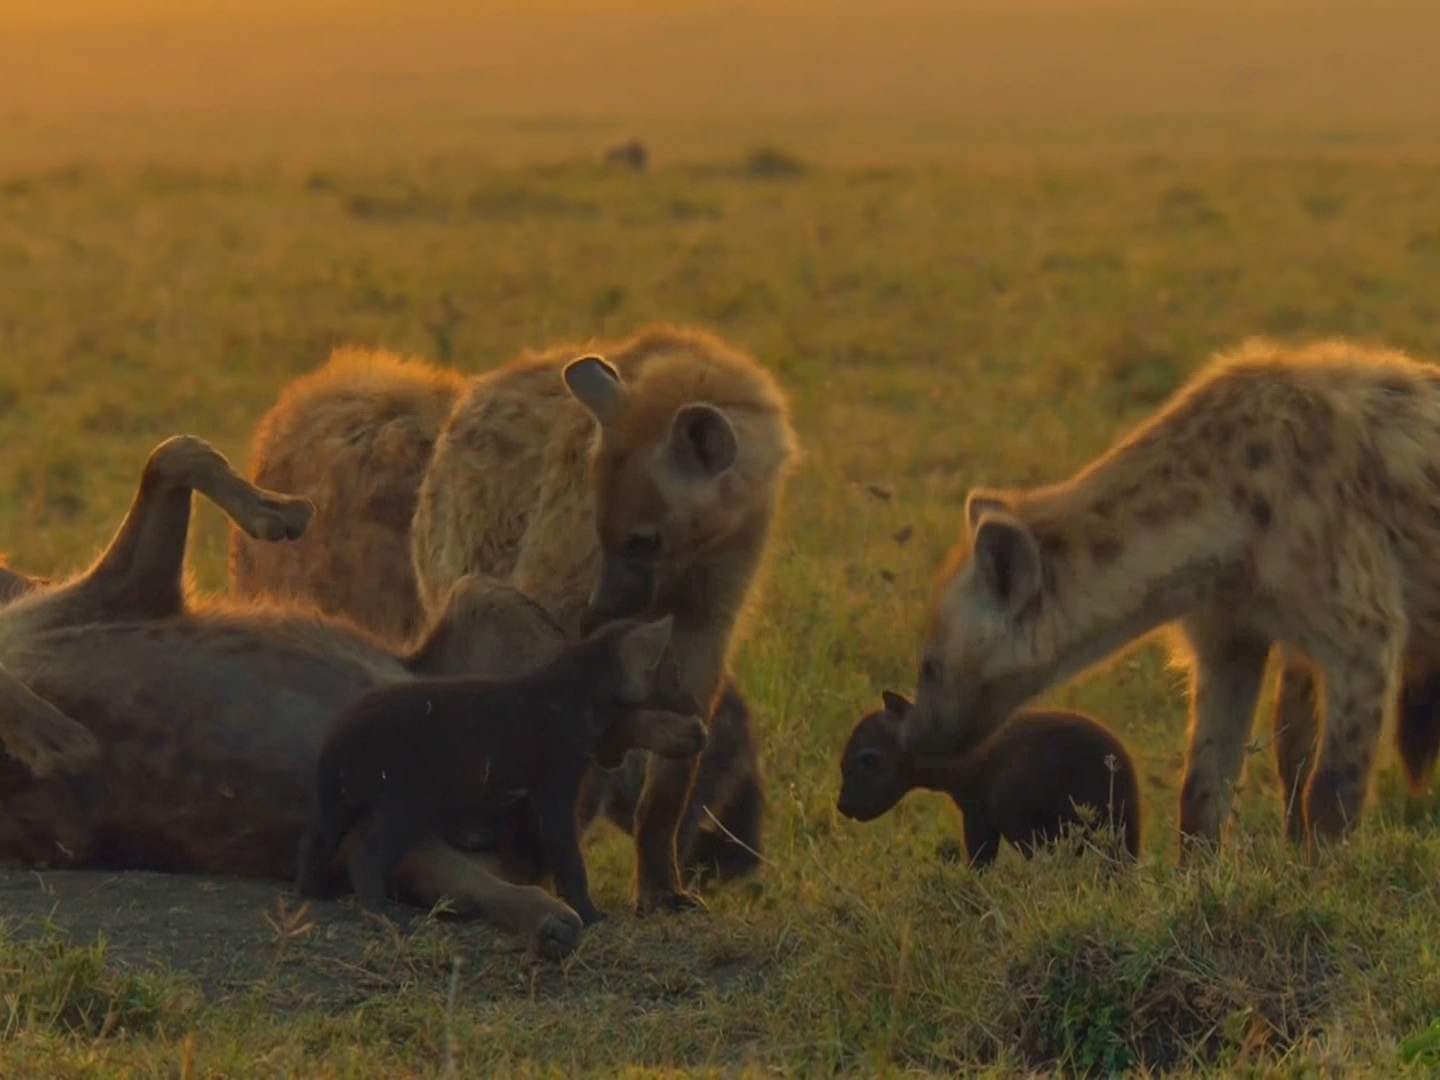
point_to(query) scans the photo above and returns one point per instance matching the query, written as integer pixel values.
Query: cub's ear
(1007, 561)
(642, 647)
(895, 704)
(703, 440)
(981, 502)
(596, 385)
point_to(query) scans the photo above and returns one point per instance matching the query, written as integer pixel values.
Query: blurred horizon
(1122, 70)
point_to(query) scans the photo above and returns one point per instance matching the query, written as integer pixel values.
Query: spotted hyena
(1284, 497)
(640, 476)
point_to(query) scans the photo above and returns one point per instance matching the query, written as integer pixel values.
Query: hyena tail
(1417, 729)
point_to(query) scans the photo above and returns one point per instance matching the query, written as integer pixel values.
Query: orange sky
(1035, 59)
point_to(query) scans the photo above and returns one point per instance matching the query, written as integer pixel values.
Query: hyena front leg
(1360, 684)
(657, 821)
(1225, 688)
(39, 735)
(1297, 733)
(141, 573)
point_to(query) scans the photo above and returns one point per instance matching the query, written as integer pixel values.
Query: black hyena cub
(428, 757)
(1023, 784)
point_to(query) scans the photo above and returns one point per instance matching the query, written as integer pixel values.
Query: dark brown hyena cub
(430, 756)
(1022, 784)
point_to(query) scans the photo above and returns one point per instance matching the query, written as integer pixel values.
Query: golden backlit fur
(1285, 496)
(355, 439)
(526, 485)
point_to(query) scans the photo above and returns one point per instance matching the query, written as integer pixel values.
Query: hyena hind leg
(1224, 692)
(1359, 687)
(141, 572)
(1417, 728)
(1297, 736)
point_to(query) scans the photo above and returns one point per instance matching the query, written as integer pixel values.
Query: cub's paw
(556, 936)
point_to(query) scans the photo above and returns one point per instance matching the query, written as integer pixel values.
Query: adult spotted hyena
(646, 481)
(1284, 497)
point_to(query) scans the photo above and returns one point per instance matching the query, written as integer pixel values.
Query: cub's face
(874, 775)
(664, 482)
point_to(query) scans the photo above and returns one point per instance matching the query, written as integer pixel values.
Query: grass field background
(985, 295)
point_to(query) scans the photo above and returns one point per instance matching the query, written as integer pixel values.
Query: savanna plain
(995, 314)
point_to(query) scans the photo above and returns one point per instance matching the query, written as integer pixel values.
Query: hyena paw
(668, 901)
(58, 745)
(556, 936)
(278, 517)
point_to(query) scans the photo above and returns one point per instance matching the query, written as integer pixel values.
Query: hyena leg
(1297, 732)
(141, 573)
(726, 786)
(1417, 727)
(40, 736)
(1359, 686)
(435, 871)
(1225, 689)
(657, 820)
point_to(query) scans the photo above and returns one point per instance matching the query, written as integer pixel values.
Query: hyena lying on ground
(1284, 497)
(198, 724)
(645, 483)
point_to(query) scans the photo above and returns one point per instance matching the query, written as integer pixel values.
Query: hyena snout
(625, 590)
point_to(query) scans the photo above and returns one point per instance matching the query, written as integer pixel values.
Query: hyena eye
(644, 543)
(870, 760)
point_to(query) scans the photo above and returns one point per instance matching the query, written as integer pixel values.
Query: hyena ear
(642, 648)
(981, 502)
(703, 440)
(596, 385)
(1007, 560)
(895, 704)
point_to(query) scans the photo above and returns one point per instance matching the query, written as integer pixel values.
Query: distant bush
(772, 163)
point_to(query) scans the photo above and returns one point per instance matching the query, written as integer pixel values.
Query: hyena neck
(708, 599)
(1118, 566)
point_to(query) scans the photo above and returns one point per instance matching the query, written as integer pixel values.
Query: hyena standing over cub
(601, 488)
(1284, 497)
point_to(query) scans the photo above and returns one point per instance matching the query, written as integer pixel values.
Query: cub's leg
(982, 841)
(40, 736)
(395, 829)
(1297, 731)
(141, 573)
(1225, 688)
(727, 785)
(435, 871)
(560, 841)
(1360, 684)
(714, 852)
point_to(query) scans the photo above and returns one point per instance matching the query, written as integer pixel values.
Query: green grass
(994, 321)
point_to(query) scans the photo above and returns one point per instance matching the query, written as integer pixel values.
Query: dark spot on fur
(1257, 454)
(1260, 511)
(392, 509)
(1153, 513)
(1397, 387)
(1105, 549)
(1054, 546)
